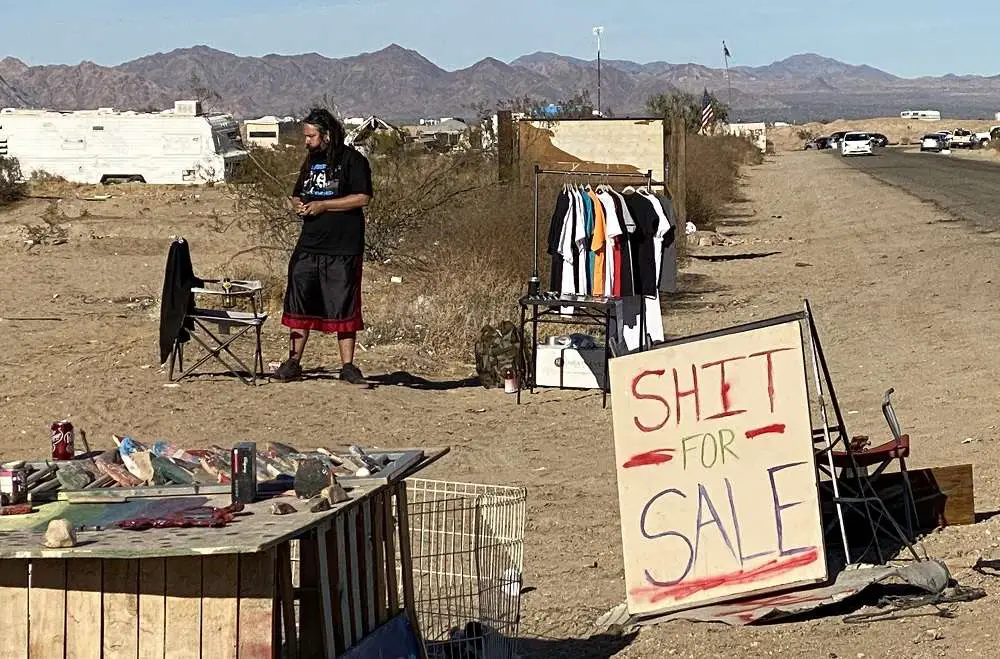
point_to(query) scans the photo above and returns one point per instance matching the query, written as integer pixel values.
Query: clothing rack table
(587, 310)
(547, 307)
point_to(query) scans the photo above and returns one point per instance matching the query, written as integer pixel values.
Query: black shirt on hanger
(643, 249)
(555, 231)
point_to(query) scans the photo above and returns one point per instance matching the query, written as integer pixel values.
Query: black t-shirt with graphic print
(335, 233)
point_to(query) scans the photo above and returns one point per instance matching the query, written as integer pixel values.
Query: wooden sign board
(717, 482)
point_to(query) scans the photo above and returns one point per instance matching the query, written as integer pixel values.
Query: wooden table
(206, 592)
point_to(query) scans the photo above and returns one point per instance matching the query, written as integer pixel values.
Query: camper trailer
(177, 146)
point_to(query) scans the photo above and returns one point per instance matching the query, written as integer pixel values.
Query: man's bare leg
(297, 344)
(346, 342)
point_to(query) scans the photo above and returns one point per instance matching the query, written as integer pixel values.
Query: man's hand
(312, 208)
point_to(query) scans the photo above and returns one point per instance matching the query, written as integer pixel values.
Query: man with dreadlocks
(324, 272)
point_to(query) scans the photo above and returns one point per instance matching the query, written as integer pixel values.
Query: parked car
(964, 139)
(836, 137)
(818, 143)
(878, 139)
(935, 142)
(856, 144)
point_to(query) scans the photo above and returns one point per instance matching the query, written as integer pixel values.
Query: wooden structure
(208, 592)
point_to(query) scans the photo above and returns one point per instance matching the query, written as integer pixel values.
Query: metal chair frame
(222, 318)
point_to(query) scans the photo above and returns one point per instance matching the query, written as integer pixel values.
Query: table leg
(527, 367)
(534, 344)
(607, 358)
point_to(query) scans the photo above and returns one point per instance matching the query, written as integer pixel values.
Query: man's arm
(346, 203)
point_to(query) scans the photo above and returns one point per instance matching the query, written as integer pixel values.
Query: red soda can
(62, 440)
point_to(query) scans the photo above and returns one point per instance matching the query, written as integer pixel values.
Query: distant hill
(403, 85)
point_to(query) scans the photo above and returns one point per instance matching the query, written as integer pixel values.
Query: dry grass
(713, 173)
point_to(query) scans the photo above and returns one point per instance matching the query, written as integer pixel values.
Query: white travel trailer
(922, 115)
(178, 146)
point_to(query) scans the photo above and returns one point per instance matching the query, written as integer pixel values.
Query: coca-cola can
(62, 440)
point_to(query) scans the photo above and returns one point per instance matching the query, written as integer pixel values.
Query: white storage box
(569, 368)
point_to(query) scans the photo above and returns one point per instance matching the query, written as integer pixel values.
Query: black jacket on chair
(177, 300)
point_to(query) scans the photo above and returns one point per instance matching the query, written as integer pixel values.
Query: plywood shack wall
(613, 145)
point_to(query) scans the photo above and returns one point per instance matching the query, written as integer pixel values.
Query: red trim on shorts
(294, 321)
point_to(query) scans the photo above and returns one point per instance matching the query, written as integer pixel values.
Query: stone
(320, 506)
(72, 477)
(335, 493)
(60, 535)
(282, 508)
(311, 477)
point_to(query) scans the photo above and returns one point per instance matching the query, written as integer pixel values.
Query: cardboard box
(569, 368)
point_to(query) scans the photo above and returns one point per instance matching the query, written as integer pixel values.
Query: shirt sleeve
(359, 175)
(299, 183)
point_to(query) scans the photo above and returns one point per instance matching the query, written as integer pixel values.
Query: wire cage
(467, 546)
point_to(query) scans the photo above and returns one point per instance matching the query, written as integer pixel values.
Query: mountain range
(402, 85)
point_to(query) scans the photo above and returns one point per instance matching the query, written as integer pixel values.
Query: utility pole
(598, 31)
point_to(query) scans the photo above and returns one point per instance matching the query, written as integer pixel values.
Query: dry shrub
(713, 174)
(460, 241)
(463, 269)
(12, 185)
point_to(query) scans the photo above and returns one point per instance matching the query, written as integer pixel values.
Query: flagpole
(729, 81)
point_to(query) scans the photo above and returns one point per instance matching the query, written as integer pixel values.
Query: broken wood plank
(14, 611)
(152, 608)
(256, 607)
(47, 608)
(219, 606)
(405, 559)
(121, 609)
(83, 608)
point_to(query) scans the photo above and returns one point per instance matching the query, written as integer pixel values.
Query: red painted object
(62, 440)
(203, 516)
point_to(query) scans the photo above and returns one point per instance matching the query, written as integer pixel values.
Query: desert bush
(804, 134)
(12, 185)
(713, 173)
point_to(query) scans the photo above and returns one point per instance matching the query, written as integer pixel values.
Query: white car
(856, 144)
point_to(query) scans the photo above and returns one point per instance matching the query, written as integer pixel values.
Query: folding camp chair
(214, 329)
(227, 323)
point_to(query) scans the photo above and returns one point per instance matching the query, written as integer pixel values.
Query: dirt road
(904, 295)
(967, 188)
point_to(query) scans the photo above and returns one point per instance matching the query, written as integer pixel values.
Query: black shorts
(323, 293)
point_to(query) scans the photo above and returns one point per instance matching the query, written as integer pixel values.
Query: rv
(178, 146)
(922, 115)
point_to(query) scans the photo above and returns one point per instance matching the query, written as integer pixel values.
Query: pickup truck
(963, 139)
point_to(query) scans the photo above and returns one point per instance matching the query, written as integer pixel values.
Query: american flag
(707, 112)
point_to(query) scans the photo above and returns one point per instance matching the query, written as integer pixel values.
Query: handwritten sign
(716, 473)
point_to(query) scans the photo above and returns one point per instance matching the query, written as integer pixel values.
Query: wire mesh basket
(467, 546)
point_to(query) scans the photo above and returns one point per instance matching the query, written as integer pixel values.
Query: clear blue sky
(913, 38)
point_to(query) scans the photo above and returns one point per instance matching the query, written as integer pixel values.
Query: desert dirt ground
(904, 296)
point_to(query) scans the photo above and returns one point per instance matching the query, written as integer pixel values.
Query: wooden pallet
(212, 593)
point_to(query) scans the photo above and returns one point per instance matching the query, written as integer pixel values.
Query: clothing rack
(535, 282)
(587, 310)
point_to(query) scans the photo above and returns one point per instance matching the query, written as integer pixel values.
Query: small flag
(707, 112)
(725, 51)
